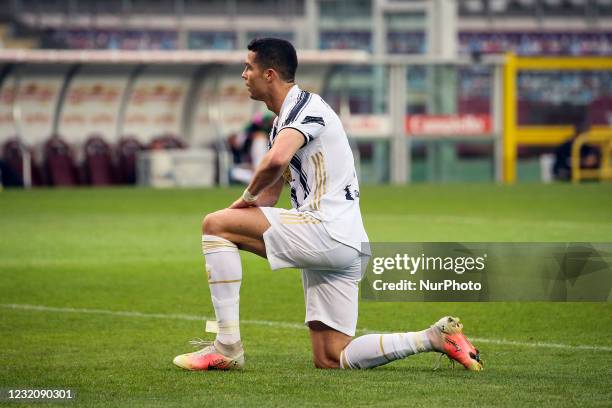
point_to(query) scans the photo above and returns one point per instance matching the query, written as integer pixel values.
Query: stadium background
(102, 287)
(176, 66)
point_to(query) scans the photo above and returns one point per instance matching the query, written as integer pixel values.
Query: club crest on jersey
(350, 195)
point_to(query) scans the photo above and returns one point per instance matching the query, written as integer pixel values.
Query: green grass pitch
(90, 256)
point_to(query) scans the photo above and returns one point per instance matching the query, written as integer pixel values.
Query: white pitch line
(546, 345)
(271, 323)
(172, 316)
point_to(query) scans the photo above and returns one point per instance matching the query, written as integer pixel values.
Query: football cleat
(456, 346)
(211, 357)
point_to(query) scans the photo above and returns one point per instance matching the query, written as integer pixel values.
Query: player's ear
(269, 74)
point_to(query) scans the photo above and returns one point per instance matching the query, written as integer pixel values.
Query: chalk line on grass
(276, 324)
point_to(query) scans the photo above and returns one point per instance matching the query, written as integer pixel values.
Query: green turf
(139, 250)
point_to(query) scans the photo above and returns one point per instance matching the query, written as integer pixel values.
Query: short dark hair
(275, 53)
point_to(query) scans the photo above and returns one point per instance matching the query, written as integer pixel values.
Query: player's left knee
(326, 359)
(326, 363)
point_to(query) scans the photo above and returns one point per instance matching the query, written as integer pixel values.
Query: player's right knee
(211, 224)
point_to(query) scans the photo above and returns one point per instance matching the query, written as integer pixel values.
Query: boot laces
(204, 345)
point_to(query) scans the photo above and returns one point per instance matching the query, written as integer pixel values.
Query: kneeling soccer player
(322, 234)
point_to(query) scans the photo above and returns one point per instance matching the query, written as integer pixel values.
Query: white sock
(373, 350)
(224, 272)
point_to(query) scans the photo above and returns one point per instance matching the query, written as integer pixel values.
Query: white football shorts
(331, 270)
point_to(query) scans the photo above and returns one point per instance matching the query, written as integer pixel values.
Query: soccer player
(322, 234)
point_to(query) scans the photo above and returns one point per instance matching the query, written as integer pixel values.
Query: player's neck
(278, 95)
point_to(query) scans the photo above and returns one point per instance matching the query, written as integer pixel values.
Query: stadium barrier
(604, 140)
(514, 135)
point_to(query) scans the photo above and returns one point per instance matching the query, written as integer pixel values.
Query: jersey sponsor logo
(313, 119)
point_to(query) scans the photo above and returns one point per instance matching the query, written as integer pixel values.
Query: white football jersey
(323, 178)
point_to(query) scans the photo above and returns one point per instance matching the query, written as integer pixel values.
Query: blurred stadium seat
(13, 159)
(59, 162)
(12, 154)
(99, 169)
(127, 148)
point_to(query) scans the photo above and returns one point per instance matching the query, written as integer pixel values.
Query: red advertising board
(448, 125)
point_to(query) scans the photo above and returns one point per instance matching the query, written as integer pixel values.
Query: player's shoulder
(306, 107)
(315, 99)
(314, 103)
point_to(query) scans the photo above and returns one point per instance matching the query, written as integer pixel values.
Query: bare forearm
(269, 196)
(270, 170)
(265, 176)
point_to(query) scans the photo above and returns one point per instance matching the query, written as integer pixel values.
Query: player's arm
(270, 195)
(287, 142)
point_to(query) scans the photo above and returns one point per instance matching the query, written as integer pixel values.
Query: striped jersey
(323, 178)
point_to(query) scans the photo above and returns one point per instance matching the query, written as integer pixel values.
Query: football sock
(373, 350)
(229, 350)
(224, 272)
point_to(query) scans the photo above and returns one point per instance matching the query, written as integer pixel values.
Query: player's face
(254, 78)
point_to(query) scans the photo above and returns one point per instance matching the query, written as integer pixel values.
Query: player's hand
(240, 203)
